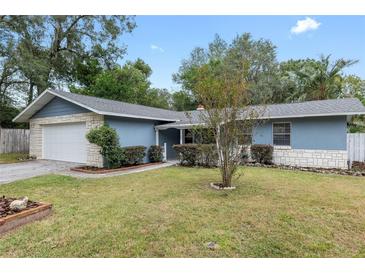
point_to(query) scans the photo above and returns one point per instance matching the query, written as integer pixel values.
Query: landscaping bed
(351, 172)
(10, 219)
(102, 170)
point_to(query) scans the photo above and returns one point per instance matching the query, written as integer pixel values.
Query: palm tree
(324, 79)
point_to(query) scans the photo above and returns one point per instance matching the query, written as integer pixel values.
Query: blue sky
(163, 41)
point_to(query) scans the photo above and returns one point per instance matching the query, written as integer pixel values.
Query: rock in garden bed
(16, 212)
(220, 186)
(351, 172)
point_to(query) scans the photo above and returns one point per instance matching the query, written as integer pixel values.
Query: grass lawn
(172, 212)
(8, 158)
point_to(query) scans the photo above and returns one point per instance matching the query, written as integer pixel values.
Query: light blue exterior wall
(328, 133)
(57, 107)
(133, 132)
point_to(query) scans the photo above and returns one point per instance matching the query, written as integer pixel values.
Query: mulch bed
(10, 220)
(5, 206)
(351, 172)
(102, 170)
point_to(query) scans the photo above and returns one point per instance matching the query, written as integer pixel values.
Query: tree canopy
(42, 51)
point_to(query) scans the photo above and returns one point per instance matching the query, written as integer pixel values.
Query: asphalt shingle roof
(332, 107)
(117, 107)
(347, 106)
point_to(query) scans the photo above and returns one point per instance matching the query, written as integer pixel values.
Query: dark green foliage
(128, 83)
(134, 155)
(197, 154)
(155, 154)
(183, 101)
(107, 139)
(187, 154)
(262, 153)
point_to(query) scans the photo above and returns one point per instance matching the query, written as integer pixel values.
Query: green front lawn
(172, 212)
(9, 158)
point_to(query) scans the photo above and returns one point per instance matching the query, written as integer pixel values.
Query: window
(281, 134)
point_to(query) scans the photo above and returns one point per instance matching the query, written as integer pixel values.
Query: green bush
(134, 155)
(108, 141)
(187, 154)
(155, 154)
(262, 153)
(197, 154)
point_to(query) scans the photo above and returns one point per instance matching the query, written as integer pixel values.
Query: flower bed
(102, 170)
(350, 172)
(10, 219)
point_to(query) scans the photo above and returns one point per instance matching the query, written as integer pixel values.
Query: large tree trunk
(30, 93)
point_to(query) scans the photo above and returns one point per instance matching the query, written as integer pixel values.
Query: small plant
(262, 153)
(134, 155)
(107, 139)
(155, 154)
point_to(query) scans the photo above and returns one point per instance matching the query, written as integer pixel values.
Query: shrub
(107, 139)
(155, 154)
(359, 166)
(134, 155)
(197, 154)
(207, 155)
(187, 154)
(262, 153)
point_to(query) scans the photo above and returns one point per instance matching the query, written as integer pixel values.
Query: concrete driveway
(18, 171)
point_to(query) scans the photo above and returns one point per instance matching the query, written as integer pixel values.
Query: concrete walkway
(77, 174)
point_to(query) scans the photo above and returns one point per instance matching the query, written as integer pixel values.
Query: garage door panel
(65, 142)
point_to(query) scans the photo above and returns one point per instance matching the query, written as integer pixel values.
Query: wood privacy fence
(14, 140)
(356, 146)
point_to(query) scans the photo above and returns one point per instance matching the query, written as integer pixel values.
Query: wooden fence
(14, 140)
(356, 146)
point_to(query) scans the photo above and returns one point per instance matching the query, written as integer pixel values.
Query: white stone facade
(91, 119)
(311, 158)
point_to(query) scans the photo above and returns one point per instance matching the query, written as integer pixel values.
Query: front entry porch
(167, 137)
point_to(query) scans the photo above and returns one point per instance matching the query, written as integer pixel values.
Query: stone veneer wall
(92, 120)
(311, 158)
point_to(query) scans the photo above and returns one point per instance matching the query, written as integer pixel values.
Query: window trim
(272, 135)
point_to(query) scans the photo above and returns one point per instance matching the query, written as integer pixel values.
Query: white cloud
(154, 47)
(305, 25)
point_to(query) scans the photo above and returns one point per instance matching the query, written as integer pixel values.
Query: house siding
(133, 132)
(323, 133)
(59, 107)
(315, 142)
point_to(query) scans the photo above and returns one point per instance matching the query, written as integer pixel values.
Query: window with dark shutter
(281, 134)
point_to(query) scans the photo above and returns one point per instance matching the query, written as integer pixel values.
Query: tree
(257, 56)
(220, 84)
(48, 47)
(354, 86)
(310, 79)
(129, 83)
(183, 101)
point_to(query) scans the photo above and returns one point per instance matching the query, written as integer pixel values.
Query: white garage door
(65, 142)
